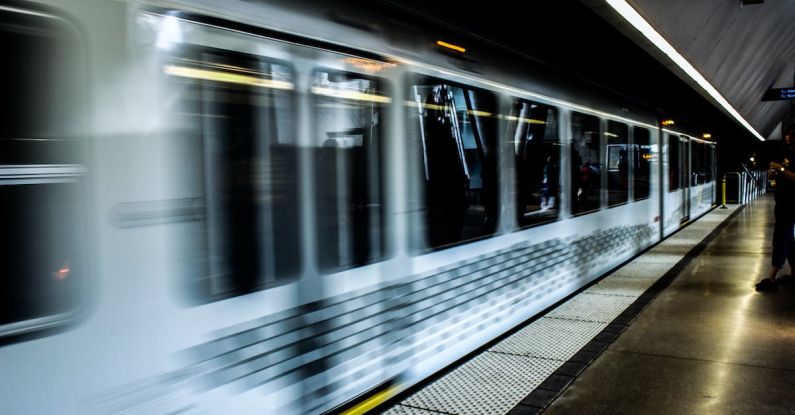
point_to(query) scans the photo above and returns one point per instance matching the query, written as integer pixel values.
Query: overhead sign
(777, 94)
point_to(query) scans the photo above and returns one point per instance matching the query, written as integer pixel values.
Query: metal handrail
(750, 185)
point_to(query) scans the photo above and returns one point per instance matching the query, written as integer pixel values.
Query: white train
(241, 207)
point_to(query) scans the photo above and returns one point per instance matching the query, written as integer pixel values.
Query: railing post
(723, 194)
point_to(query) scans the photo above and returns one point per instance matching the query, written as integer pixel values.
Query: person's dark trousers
(783, 240)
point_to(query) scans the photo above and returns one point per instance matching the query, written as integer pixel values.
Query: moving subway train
(243, 207)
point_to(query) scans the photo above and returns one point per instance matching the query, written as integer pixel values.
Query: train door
(675, 198)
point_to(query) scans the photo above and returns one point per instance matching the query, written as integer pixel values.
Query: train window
(42, 267)
(641, 163)
(694, 163)
(349, 111)
(455, 137)
(709, 162)
(697, 174)
(42, 241)
(39, 80)
(617, 154)
(586, 163)
(673, 163)
(531, 132)
(238, 112)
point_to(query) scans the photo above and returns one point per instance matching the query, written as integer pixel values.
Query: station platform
(679, 329)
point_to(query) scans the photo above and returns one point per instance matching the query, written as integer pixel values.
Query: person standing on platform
(783, 239)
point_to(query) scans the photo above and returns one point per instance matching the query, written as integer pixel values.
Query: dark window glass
(41, 229)
(641, 167)
(349, 109)
(697, 163)
(39, 250)
(455, 132)
(684, 157)
(673, 163)
(532, 136)
(39, 84)
(238, 109)
(586, 164)
(617, 154)
(709, 162)
(694, 163)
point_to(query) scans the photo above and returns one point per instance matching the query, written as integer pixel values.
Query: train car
(265, 207)
(689, 178)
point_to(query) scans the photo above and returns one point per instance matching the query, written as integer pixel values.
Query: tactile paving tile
(640, 270)
(491, 383)
(409, 410)
(616, 285)
(691, 237)
(675, 247)
(592, 307)
(657, 257)
(550, 338)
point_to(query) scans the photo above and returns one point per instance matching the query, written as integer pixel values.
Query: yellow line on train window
(228, 77)
(353, 95)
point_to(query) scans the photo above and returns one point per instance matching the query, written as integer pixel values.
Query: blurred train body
(252, 207)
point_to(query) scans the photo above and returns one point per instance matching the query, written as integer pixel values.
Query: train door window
(673, 163)
(349, 111)
(617, 154)
(455, 136)
(586, 164)
(696, 163)
(693, 160)
(641, 166)
(42, 229)
(684, 161)
(709, 162)
(531, 133)
(239, 110)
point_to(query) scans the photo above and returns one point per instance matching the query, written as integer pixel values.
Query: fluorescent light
(353, 95)
(636, 20)
(228, 77)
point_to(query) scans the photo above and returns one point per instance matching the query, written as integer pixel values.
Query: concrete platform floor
(708, 344)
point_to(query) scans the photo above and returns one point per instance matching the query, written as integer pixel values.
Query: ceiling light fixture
(636, 20)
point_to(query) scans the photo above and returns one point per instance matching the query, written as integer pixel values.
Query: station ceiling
(741, 49)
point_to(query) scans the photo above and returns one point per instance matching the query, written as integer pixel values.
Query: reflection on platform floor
(553, 350)
(709, 344)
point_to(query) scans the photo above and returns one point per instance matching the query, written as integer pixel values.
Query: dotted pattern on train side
(343, 346)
